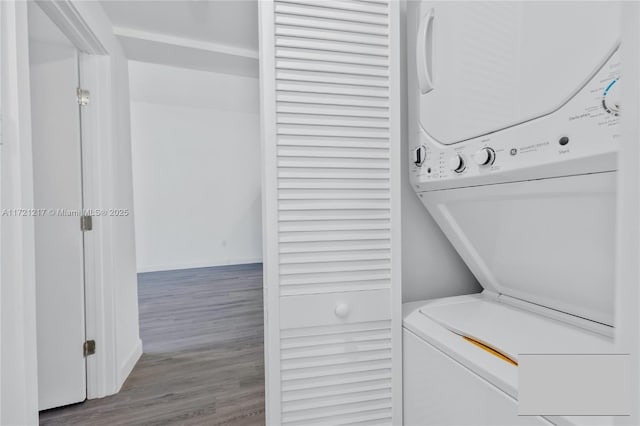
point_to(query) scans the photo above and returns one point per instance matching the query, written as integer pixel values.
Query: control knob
(419, 155)
(484, 156)
(456, 163)
(611, 98)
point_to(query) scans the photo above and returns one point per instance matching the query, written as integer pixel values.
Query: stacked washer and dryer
(513, 152)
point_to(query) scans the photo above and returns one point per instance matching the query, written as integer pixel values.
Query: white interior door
(331, 188)
(58, 237)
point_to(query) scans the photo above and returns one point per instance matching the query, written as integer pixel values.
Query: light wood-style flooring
(203, 362)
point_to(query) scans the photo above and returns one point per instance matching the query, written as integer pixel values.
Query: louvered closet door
(331, 196)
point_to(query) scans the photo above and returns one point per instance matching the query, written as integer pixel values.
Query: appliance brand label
(576, 117)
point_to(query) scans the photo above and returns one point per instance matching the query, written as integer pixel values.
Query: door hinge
(86, 223)
(83, 97)
(89, 348)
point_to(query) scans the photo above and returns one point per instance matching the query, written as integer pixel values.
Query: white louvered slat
(333, 131)
(283, 8)
(333, 173)
(333, 225)
(333, 246)
(336, 372)
(346, 378)
(330, 141)
(332, 46)
(331, 117)
(338, 57)
(289, 216)
(333, 152)
(315, 281)
(375, 334)
(337, 89)
(333, 194)
(351, 5)
(329, 99)
(341, 391)
(332, 67)
(348, 235)
(338, 413)
(333, 205)
(330, 330)
(341, 111)
(335, 25)
(320, 77)
(305, 269)
(331, 35)
(331, 392)
(332, 400)
(334, 183)
(333, 162)
(340, 256)
(335, 287)
(314, 120)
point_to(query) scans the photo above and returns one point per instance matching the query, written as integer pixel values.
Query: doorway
(58, 207)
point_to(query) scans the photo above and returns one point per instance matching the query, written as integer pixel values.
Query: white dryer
(513, 152)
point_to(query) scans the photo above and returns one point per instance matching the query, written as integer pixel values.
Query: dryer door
(486, 66)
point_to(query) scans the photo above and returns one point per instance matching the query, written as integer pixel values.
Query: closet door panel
(331, 156)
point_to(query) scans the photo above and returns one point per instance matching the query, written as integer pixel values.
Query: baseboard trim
(127, 366)
(177, 266)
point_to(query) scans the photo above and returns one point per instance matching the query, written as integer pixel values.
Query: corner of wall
(126, 367)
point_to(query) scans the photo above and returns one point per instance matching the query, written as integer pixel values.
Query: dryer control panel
(579, 137)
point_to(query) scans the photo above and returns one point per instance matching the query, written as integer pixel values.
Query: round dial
(484, 156)
(456, 163)
(611, 97)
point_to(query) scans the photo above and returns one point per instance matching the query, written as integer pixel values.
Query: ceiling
(42, 28)
(214, 35)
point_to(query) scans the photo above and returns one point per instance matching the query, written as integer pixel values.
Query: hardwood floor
(202, 333)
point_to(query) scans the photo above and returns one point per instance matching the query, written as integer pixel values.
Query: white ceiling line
(185, 42)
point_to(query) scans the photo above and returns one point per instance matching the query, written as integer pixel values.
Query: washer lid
(486, 66)
(550, 242)
(513, 331)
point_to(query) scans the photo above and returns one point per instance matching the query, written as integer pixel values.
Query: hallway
(203, 361)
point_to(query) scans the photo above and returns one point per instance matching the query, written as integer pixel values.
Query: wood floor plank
(203, 361)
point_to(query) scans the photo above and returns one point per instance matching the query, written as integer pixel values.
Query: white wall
(628, 223)
(430, 265)
(18, 363)
(196, 165)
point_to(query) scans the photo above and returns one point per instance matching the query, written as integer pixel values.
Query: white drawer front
(334, 308)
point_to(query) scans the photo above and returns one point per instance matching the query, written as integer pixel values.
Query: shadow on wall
(251, 217)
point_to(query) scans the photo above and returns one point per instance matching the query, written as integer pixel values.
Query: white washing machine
(513, 153)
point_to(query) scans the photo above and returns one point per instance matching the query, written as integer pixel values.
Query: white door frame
(18, 360)
(95, 76)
